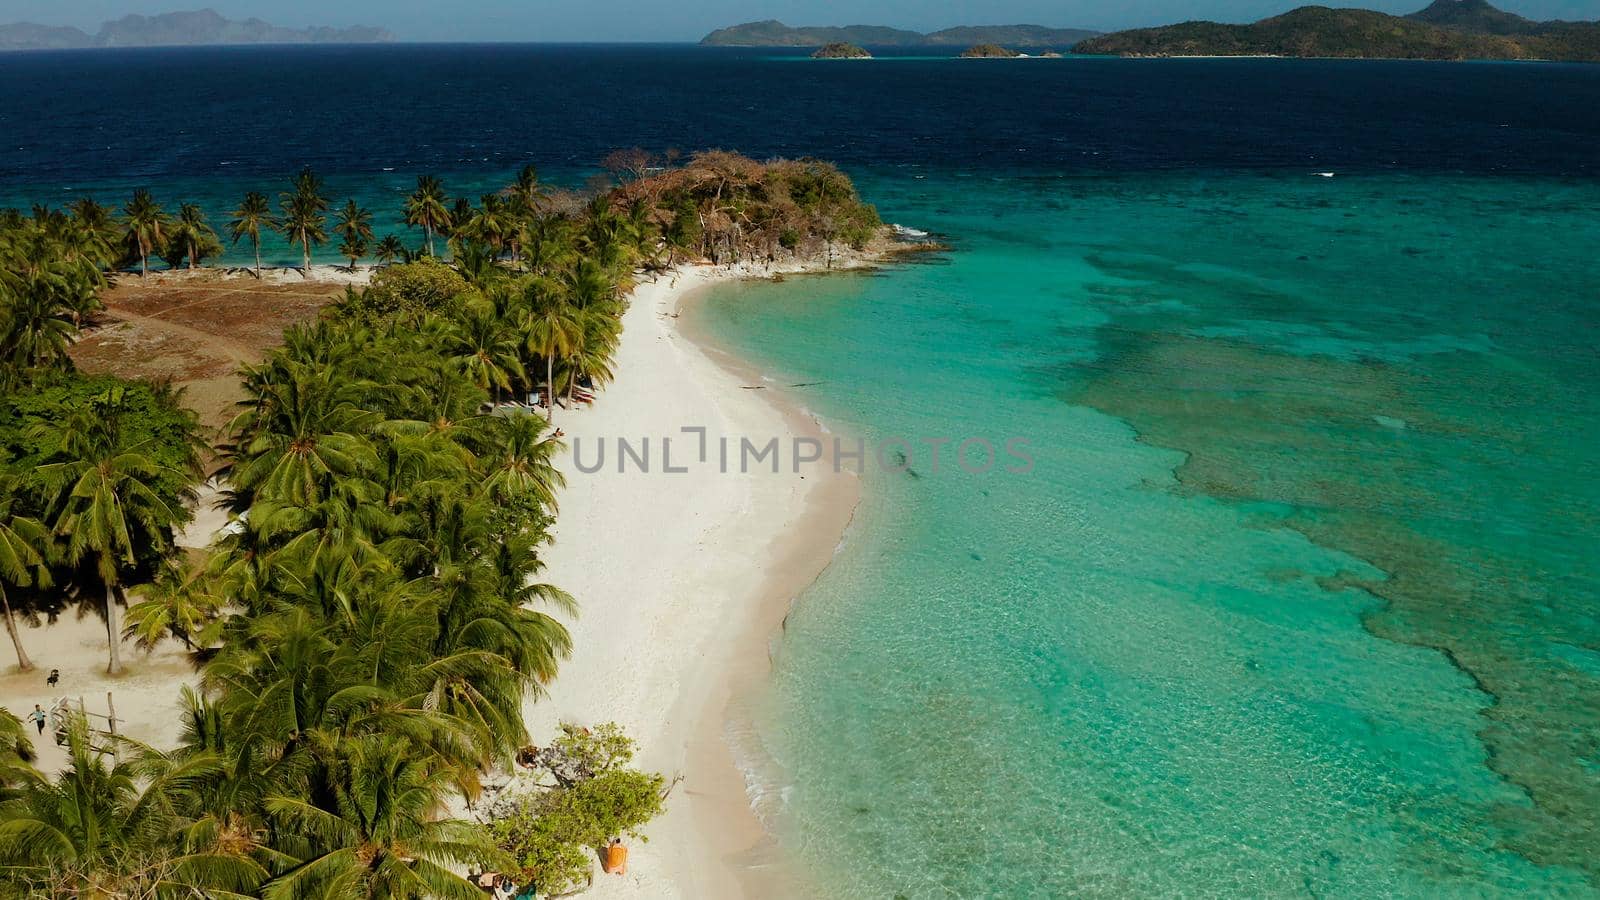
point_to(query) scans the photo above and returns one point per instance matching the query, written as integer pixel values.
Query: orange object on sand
(616, 860)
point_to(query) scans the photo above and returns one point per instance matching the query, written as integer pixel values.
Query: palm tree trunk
(550, 388)
(24, 664)
(305, 245)
(144, 263)
(257, 242)
(572, 383)
(191, 256)
(113, 633)
(428, 231)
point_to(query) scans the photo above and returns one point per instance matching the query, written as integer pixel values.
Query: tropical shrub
(150, 416)
(409, 291)
(587, 795)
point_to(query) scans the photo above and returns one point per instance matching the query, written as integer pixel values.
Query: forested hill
(773, 33)
(1449, 29)
(1477, 16)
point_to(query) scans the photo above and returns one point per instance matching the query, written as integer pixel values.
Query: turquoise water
(1301, 597)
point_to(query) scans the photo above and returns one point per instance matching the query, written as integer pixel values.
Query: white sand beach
(682, 578)
(145, 696)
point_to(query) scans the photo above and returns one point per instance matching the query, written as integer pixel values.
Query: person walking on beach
(38, 717)
(55, 676)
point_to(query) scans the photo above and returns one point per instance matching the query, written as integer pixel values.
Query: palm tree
(552, 331)
(591, 358)
(355, 226)
(37, 327)
(608, 236)
(353, 249)
(589, 287)
(145, 226)
(643, 231)
(460, 213)
(222, 806)
(16, 756)
(375, 834)
(479, 614)
(102, 831)
(94, 231)
(24, 543)
(526, 196)
(526, 193)
(178, 605)
(344, 650)
(301, 431)
(50, 280)
(525, 467)
(476, 263)
(491, 223)
(109, 507)
(486, 351)
(389, 249)
(428, 207)
(547, 244)
(192, 232)
(540, 642)
(253, 215)
(303, 215)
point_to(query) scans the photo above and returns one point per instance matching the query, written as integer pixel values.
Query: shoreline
(736, 832)
(667, 644)
(683, 581)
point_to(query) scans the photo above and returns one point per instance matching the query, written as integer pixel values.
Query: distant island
(773, 33)
(840, 50)
(178, 29)
(1448, 30)
(989, 51)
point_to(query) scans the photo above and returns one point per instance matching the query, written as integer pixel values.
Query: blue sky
(653, 20)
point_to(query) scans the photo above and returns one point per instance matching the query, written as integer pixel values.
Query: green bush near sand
(588, 794)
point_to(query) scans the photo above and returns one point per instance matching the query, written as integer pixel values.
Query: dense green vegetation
(368, 630)
(95, 473)
(1440, 32)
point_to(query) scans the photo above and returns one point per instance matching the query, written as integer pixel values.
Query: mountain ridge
(773, 33)
(1477, 16)
(201, 27)
(1445, 30)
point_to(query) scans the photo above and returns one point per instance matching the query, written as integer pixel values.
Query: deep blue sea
(1302, 597)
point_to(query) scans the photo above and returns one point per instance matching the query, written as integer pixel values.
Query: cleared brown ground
(196, 330)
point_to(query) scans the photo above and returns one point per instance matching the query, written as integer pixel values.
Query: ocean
(1302, 594)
